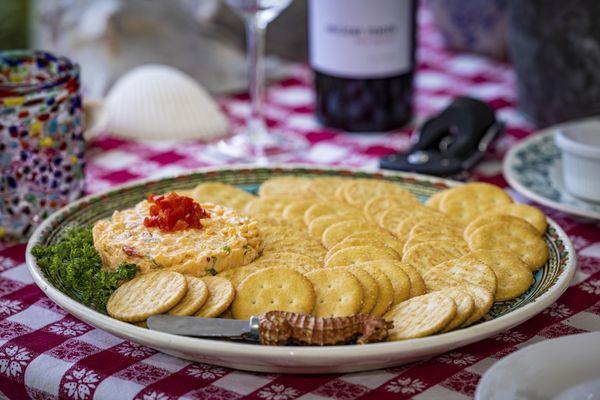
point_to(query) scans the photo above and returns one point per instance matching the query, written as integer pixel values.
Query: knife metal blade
(205, 327)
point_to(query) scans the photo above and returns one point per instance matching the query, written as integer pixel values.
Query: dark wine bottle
(362, 53)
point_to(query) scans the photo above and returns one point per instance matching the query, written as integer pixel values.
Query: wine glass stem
(256, 130)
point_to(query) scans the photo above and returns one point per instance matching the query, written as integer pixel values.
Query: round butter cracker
(377, 205)
(359, 191)
(352, 242)
(273, 289)
(488, 218)
(514, 276)
(466, 269)
(417, 285)
(468, 201)
(423, 256)
(338, 292)
(399, 279)
(420, 316)
(391, 218)
(369, 287)
(262, 264)
(518, 240)
(465, 306)
(359, 254)
(220, 295)
(384, 286)
(285, 186)
(268, 207)
(318, 225)
(221, 193)
(290, 258)
(404, 227)
(237, 275)
(371, 237)
(195, 297)
(294, 212)
(435, 226)
(382, 236)
(146, 295)
(290, 239)
(529, 213)
(482, 299)
(452, 240)
(324, 188)
(435, 200)
(331, 208)
(341, 230)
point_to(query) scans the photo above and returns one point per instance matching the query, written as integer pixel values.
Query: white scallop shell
(160, 102)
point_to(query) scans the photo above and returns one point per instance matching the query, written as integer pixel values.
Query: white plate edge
(499, 364)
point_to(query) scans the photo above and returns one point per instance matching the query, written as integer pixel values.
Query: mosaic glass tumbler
(41, 139)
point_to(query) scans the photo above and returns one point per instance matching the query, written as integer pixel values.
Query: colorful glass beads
(41, 138)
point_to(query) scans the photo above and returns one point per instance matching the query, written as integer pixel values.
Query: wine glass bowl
(264, 10)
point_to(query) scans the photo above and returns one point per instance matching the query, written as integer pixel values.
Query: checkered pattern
(46, 353)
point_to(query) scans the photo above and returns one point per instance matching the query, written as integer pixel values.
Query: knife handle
(282, 327)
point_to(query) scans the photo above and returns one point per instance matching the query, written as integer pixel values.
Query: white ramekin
(579, 144)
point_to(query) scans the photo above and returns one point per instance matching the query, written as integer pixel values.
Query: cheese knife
(206, 327)
(279, 328)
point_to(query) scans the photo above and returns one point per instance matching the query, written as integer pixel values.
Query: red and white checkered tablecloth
(46, 353)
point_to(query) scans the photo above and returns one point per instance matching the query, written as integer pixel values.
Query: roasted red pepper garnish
(172, 212)
(131, 251)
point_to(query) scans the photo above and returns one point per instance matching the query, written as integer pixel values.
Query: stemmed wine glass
(256, 143)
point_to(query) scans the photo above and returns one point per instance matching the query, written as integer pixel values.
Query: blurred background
(548, 42)
(203, 38)
(134, 72)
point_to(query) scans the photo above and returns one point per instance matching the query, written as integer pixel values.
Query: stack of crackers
(337, 246)
(169, 292)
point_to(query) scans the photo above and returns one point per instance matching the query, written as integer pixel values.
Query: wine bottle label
(361, 38)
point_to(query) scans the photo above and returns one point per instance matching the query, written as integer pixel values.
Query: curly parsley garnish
(75, 265)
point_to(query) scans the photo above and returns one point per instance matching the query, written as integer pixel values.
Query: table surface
(46, 353)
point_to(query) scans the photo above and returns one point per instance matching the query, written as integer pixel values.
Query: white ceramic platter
(550, 282)
(545, 370)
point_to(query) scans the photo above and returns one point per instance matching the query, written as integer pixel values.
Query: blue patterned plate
(533, 168)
